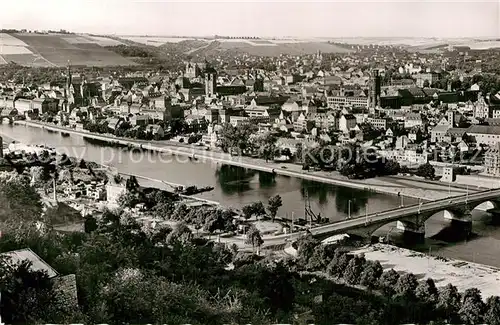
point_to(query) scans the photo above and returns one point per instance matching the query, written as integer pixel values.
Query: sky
(402, 18)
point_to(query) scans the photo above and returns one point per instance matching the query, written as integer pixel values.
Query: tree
(473, 307)
(160, 234)
(127, 200)
(371, 274)
(306, 246)
(236, 138)
(132, 184)
(426, 170)
(180, 233)
(131, 297)
(194, 138)
(64, 160)
(44, 157)
(388, 281)
(298, 152)
(353, 270)
(278, 288)
(254, 209)
(21, 203)
(274, 204)
(26, 295)
(406, 285)
(338, 263)
(427, 292)
(268, 147)
(247, 211)
(492, 315)
(39, 176)
(391, 167)
(448, 302)
(287, 153)
(320, 256)
(90, 224)
(82, 164)
(254, 238)
(163, 210)
(404, 170)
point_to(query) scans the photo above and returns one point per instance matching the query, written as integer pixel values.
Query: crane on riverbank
(308, 211)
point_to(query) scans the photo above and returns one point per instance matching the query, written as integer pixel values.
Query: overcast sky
(421, 18)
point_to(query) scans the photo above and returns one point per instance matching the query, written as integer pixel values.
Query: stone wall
(66, 285)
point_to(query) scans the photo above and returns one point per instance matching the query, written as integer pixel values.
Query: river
(236, 187)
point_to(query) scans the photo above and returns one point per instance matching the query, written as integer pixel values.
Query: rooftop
(484, 129)
(37, 264)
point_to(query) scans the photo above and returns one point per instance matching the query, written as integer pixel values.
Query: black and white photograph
(250, 162)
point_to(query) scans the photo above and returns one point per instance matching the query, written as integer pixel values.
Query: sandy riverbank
(409, 188)
(463, 275)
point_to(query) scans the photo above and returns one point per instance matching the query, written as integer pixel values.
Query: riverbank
(464, 275)
(386, 185)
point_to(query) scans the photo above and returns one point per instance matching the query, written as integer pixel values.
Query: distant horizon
(56, 30)
(291, 36)
(333, 19)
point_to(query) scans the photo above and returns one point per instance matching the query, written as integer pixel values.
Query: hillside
(422, 44)
(55, 50)
(259, 47)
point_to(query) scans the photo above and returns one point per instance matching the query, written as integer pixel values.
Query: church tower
(210, 80)
(191, 70)
(68, 91)
(210, 84)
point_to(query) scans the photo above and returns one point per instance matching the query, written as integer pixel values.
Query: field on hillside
(423, 44)
(11, 49)
(155, 41)
(58, 49)
(27, 60)
(76, 39)
(6, 39)
(260, 47)
(482, 45)
(103, 41)
(298, 48)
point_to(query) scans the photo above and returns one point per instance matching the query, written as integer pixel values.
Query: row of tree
(124, 129)
(166, 206)
(350, 161)
(424, 301)
(257, 209)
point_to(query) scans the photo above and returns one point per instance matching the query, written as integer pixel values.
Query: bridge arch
(413, 224)
(485, 205)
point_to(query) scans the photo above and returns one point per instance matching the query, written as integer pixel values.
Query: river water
(236, 187)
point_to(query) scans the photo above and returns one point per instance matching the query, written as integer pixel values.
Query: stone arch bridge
(412, 218)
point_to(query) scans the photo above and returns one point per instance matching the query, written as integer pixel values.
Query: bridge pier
(495, 215)
(412, 230)
(461, 220)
